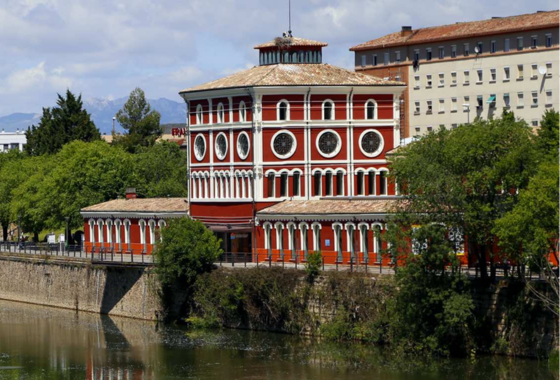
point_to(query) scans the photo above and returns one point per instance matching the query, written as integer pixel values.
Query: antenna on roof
(289, 18)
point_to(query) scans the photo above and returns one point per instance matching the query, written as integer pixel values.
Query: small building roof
(291, 41)
(469, 29)
(305, 74)
(331, 207)
(141, 205)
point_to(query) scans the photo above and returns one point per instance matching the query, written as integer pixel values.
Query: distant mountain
(102, 112)
(21, 121)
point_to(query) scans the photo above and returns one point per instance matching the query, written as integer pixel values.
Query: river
(46, 343)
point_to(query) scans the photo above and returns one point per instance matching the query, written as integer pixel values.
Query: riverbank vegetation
(47, 184)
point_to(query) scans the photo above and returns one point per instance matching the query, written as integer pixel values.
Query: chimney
(406, 31)
(130, 193)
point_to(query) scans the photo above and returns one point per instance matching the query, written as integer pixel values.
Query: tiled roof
(155, 205)
(293, 75)
(331, 207)
(465, 30)
(293, 41)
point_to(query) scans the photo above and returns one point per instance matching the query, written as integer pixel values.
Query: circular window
(371, 143)
(199, 147)
(284, 144)
(243, 145)
(221, 146)
(328, 143)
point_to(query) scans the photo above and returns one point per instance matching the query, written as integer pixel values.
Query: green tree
(28, 205)
(547, 140)
(433, 309)
(187, 249)
(140, 122)
(66, 122)
(463, 178)
(12, 173)
(161, 170)
(85, 174)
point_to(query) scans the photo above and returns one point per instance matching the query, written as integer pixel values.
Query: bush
(313, 265)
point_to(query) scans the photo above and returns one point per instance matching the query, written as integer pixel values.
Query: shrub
(313, 265)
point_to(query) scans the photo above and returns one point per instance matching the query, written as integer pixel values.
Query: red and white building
(131, 225)
(289, 156)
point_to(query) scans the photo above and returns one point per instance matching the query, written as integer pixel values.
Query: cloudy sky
(105, 48)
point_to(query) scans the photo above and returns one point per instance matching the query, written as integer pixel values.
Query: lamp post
(19, 230)
(67, 237)
(114, 118)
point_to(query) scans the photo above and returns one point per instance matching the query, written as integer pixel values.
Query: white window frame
(221, 155)
(429, 81)
(417, 108)
(507, 103)
(548, 97)
(338, 146)
(454, 78)
(288, 118)
(429, 107)
(220, 113)
(199, 115)
(375, 115)
(466, 77)
(507, 74)
(520, 100)
(333, 110)
(242, 112)
(316, 228)
(480, 76)
(453, 104)
(291, 152)
(441, 106)
(441, 79)
(534, 98)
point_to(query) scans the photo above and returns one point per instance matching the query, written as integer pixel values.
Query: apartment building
(465, 70)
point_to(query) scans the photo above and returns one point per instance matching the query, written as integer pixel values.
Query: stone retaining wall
(125, 291)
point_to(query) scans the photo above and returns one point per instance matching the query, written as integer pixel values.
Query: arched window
(280, 239)
(360, 183)
(286, 57)
(351, 240)
(127, 233)
(118, 239)
(100, 231)
(295, 57)
(316, 236)
(383, 183)
(271, 184)
(292, 244)
(364, 246)
(337, 228)
(199, 115)
(371, 110)
(328, 183)
(317, 179)
(371, 182)
(303, 227)
(377, 242)
(242, 112)
(328, 110)
(221, 114)
(296, 184)
(109, 224)
(284, 184)
(267, 238)
(152, 226)
(283, 110)
(142, 224)
(250, 185)
(92, 232)
(339, 183)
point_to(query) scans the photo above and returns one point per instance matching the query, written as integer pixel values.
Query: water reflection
(46, 343)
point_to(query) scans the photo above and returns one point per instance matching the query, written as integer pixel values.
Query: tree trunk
(5, 231)
(35, 236)
(482, 262)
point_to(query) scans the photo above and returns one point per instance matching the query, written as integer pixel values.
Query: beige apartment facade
(458, 72)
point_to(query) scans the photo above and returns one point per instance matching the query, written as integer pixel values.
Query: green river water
(45, 343)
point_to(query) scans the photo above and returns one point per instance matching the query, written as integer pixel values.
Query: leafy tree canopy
(161, 170)
(466, 177)
(66, 122)
(140, 122)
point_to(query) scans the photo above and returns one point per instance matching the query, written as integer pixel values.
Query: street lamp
(67, 238)
(467, 107)
(19, 230)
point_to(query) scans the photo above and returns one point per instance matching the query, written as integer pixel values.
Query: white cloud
(103, 47)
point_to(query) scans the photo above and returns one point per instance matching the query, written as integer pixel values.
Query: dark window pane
(295, 184)
(328, 184)
(360, 184)
(284, 185)
(317, 187)
(371, 183)
(339, 183)
(271, 185)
